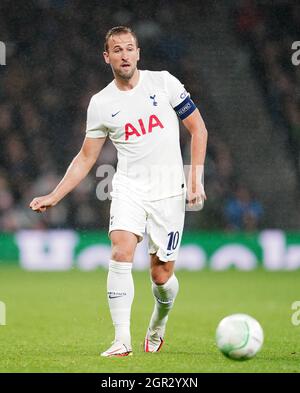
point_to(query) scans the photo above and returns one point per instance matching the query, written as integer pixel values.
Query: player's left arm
(186, 110)
(195, 188)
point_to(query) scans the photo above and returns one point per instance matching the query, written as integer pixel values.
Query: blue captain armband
(185, 108)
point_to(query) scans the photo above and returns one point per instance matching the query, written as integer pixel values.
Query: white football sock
(164, 300)
(120, 293)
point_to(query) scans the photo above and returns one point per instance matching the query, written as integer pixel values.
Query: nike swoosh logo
(169, 253)
(115, 114)
(114, 297)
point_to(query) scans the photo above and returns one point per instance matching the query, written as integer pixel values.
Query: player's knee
(160, 276)
(121, 254)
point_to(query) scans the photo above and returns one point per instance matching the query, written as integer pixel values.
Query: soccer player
(138, 111)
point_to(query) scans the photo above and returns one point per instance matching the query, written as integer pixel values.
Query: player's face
(122, 55)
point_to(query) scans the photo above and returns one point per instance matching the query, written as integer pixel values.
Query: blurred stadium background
(234, 57)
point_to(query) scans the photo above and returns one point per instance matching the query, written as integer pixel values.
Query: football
(239, 336)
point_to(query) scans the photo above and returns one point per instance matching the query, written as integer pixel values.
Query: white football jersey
(144, 128)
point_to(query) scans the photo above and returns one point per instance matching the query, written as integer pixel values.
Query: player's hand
(195, 188)
(42, 203)
(196, 196)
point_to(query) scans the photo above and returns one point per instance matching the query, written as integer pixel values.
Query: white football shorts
(163, 221)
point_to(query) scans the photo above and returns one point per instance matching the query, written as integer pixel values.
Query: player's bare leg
(120, 291)
(165, 288)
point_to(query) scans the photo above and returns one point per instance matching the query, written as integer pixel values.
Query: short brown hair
(119, 30)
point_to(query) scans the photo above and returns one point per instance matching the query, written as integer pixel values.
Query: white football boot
(154, 340)
(117, 349)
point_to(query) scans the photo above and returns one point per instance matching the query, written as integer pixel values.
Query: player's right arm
(77, 171)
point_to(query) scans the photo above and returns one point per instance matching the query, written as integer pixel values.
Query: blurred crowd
(54, 66)
(269, 28)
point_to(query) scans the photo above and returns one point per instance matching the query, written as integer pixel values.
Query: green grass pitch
(59, 322)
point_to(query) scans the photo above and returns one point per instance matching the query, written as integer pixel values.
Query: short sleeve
(175, 89)
(94, 125)
(179, 98)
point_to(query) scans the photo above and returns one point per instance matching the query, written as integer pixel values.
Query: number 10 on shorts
(173, 240)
